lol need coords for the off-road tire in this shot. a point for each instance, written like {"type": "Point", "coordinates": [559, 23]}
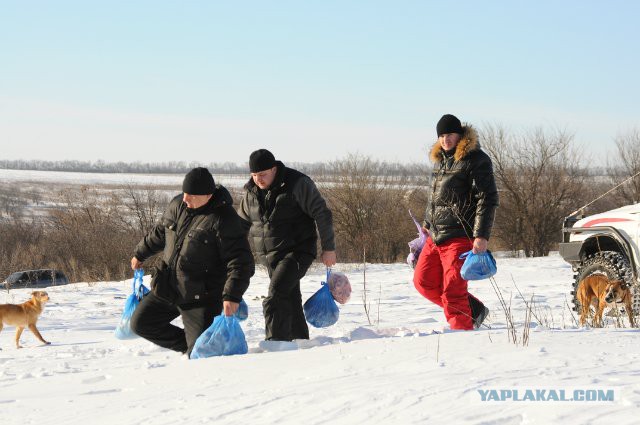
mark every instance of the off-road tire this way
{"type": "Point", "coordinates": [614, 266]}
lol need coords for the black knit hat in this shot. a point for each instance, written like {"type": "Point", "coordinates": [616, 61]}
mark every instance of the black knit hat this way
{"type": "Point", "coordinates": [449, 124]}
{"type": "Point", "coordinates": [198, 181]}
{"type": "Point", "coordinates": [261, 160]}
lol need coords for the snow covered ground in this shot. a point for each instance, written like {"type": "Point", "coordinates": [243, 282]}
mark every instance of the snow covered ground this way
{"type": "Point", "coordinates": [34, 194]}
{"type": "Point", "coordinates": [402, 369]}
{"type": "Point", "coordinates": [43, 177]}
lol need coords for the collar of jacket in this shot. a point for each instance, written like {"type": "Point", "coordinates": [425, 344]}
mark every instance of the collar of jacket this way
{"type": "Point", "coordinates": [277, 182]}
{"type": "Point", "coordinates": [467, 144]}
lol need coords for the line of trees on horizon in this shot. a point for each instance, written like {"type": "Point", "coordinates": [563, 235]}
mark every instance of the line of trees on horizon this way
{"type": "Point", "coordinates": [182, 167]}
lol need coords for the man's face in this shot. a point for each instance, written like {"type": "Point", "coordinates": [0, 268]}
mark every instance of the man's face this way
{"type": "Point", "coordinates": [264, 179]}
{"type": "Point", "coordinates": [195, 201]}
{"type": "Point", "coordinates": [449, 141]}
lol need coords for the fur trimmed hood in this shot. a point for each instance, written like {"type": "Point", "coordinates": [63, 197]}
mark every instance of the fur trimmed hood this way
{"type": "Point", "coordinates": [467, 144]}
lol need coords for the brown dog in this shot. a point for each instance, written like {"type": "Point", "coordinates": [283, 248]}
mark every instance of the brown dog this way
{"type": "Point", "coordinates": [24, 315]}
{"type": "Point", "coordinates": [599, 291]}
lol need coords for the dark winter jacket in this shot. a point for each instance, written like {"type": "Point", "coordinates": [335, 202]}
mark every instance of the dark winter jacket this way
{"type": "Point", "coordinates": [463, 191]}
{"type": "Point", "coordinates": [284, 217]}
{"type": "Point", "coordinates": [214, 260]}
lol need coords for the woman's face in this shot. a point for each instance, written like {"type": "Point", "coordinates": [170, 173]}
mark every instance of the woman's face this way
{"type": "Point", "coordinates": [449, 141]}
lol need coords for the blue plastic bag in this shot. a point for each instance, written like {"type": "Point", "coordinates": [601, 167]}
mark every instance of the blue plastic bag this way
{"type": "Point", "coordinates": [478, 266]}
{"type": "Point", "coordinates": [321, 309]}
{"type": "Point", "coordinates": [123, 330]}
{"type": "Point", "coordinates": [223, 338]}
{"type": "Point", "coordinates": [243, 311]}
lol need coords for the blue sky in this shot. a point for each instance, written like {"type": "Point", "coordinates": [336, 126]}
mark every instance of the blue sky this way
{"type": "Point", "coordinates": [211, 81]}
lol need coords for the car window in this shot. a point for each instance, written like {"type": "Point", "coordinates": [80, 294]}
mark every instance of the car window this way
{"type": "Point", "coordinates": [45, 275]}
{"type": "Point", "coordinates": [14, 277]}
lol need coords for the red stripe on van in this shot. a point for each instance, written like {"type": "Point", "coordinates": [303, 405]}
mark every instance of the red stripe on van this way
{"type": "Point", "coordinates": [604, 220]}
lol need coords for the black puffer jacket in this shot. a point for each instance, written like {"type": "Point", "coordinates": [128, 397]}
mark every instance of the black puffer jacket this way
{"type": "Point", "coordinates": [284, 217]}
{"type": "Point", "coordinates": [214, 260]}
{"type": "Point", "coordinates": [464, 195]}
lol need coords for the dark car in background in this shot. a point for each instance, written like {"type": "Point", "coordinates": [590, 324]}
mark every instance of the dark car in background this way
{"type": "Point", "coordinates": [34, 279]}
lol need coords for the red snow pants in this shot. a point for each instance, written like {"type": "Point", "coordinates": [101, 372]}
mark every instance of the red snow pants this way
{"type": "Point", "coordinates": [437, 278]}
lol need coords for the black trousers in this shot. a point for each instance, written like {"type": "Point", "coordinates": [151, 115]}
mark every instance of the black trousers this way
{"type": "Point", "coordinates": [152, 321]}
{"type": "Point", "coordinates": [283, 315]}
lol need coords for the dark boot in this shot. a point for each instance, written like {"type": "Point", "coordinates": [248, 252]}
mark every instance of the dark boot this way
{"type": "Point", "coordinates": [478, 311]}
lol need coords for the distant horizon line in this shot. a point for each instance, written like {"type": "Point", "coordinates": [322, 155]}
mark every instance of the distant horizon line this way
{"type": "Point", "coordinates": [165, 167]}
{"type": "Point", "coordinates": [181, 167]}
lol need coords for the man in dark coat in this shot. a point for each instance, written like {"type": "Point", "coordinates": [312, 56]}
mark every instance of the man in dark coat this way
{"type": "Point", "coordinates": [284, 207]}
{"type": "Point", "coordinates": [459, 218]}
{"type": "Point", "coordinates": [206, 264]}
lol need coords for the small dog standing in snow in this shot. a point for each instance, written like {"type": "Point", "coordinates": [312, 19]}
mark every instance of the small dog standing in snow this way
{"type": "Point", "coordinates": [24, 315]}
{"type": "Point", "coordinates": [599, 291]}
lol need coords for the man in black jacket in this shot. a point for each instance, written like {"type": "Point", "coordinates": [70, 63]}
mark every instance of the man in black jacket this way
{"type": "Point", "coordinates": [459, 218]}
{"type": "Point", "coordinates": [206, 264]}
{"type": "Point", "coordinates": [284, 207]}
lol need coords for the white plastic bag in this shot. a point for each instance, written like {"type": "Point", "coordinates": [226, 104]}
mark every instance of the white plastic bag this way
{"type": "Point", "coordinates": [340, 287]}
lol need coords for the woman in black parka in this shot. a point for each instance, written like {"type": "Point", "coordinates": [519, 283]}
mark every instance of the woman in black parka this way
{"type": "Point", "coordinates": [458, 218]}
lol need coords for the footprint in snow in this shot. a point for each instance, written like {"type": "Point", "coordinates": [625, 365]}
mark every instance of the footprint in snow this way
{"type": "Point", "coordinates": [103, 392]}
{"type": "Point", "coordinates": [95, 379]}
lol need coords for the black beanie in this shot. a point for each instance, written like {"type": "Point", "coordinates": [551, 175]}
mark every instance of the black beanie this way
{"type": "Point", "coordinates": [449, 124]}
{"type": "Point", "coordinates": [261, 160]}
{"type": "Point", "coordinates": [198, 181]}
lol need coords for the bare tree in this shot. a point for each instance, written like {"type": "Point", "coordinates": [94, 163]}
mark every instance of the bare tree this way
{"type": "Point", "coordinates": [143, 206]}
{"type": "Point", "coordinates": [17, 236]}
{"type": "Point", "coordinates": [90, 236]}
{"type": "Point", "coordinates": [369, 204]}
{"type": "Point", "coordinates": [87, 237]}
{"type": "Point", "coordinates": [540, 180]}
{"type": "Point", "coordinates": [627, 165]}
{"type": "Point", "coordinates": [12, 201]}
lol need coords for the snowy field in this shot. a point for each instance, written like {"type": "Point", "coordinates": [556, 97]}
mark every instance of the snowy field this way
{"type": "Point", "coordinates": [36, 193]}
{"type": "Point", "coordinates": [404, 368]}
{"type": "Point", "coordinates": [63, 177]}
